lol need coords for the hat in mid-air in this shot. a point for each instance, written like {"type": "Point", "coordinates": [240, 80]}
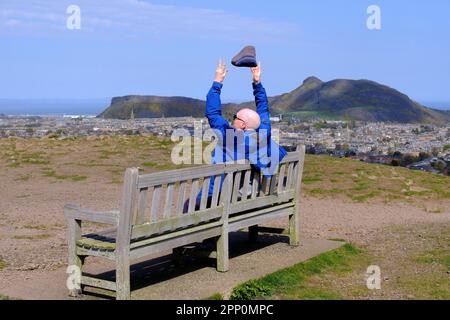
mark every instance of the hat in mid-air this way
{"type": "Point", "coordinates": [245, 58]}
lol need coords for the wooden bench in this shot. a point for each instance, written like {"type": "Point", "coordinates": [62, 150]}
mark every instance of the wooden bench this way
{"type": "Point", "coordinates": [151, 218]}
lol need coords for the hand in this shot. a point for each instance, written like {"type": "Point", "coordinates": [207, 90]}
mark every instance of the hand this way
{"type": "Point", "coordinates": [256, 72]}
{"type": "Point", "coordinates": [221, 72]}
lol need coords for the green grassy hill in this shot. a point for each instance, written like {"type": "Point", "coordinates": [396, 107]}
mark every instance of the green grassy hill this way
{"type": "Point", "coordinates": [338, 99]}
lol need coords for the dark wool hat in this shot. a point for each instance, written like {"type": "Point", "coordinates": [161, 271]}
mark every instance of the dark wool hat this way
{"type": "Point", "coordinates": [245, 58]}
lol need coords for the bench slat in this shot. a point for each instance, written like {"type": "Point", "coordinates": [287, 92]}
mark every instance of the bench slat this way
{"type": "Point", "coordinates": [236, 184]}
{"type": "Point", "coordinates": [246, 186]}
{"type": "Point", "coordinates": [290, 176]}
{"type": "Point", "coordinates": [261, 202]}
{"type": "Point", "coordinates": [181, 197]}
{"type": "Point", "coordinates": [193, 195]}
{"type": "Point", "coordinates": [159, 178]}
{"type": "Point", "coordinates": [273, 183]}
{"type": "Point", "coordinates": [255, 218]}
{"type": "Point", "coordinates": [140, 215]}
{"type": "Point", "coordinates": [264, 183]}
{"type": "Point", "coordinates": [156, 200]}
{"type": "Point", "coordinates": [75, 212]}
{"type": "Point", "coordinates": [176, 223]}
{"type": "Point", "coordinates": [98, 283]}
{"type": "Point", "coordinates": [169, 200]}
{"type": "Point", "coordinates": [291, 157]}
{"type": "Point", "coordinates": [215, 196]}
{"type": "Point", "coordinates": [281, 178]}
{"type": "Point", "coordinates": [205, 189]}
{"type": "Point", "coordinates": [255, 185]}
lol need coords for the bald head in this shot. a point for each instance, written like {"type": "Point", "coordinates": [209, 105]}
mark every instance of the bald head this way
{"type": "Point", "coordinates": [249, 118]}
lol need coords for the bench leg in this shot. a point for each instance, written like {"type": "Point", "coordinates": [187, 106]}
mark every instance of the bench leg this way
{"type": "Point", "coordinates": [253, 233]}
{"type": "Point", "coordinates": [294, 230]}
{"type": "Point", "coordinates": [74, 233]}
{"type": "Point", "coordinates": [123, 278]}
{"type": "Point", "coordinates": [222, 252]}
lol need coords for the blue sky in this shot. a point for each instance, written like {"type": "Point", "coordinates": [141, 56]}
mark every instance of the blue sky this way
{"type": "Point", "coordinates": [172, 47]}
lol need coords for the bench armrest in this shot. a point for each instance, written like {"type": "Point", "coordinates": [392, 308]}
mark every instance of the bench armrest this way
{"type": "Point", "coordinates": [77, 213]}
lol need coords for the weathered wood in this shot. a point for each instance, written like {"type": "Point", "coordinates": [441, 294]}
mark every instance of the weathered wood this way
{"type": "Point", "coordinates": [73, 235]}
{"type": "Point", "coordinates": [216, 189]}
{"type": "Point", "coordinates": [181, 197]}
{"type": "Point", "coordinates": [169, 200]}
{"type": "Point", "coordinates": [294, 219]}
{"type": "Point", "coordinates": [72, 211]}
{"type": "Point", "coordinates": [173, 176]}
{"type": "Point", "coordinates": [246, 187]}
{"type": "Point", "coordinates": [167, 242]}
{"type": "Point", "coordinates": [281, 177]}
{"type": "Point", "coordinates": [258, 212]}
{"type": "Point", "coordinates": [222, 241]}
{"type": "Point", "coordinates": [205, 190]}
{"type": "Point", "coordinates": [98, 283]}
{"type": "Point", "coordinates": [255, 184]}
{"type": "Point", "coordinates": [96, 253]}
{"type": "Point", "coordinates": [140, 216]}
{"type": "Point", "coordinates": [175, 223]}
{"type": "Point", "coordinates": [290, 176]}
{"type": "Point", "coordinates": [265, 180]}
{"type": "Point", "coordinates": [156, 201]}
{"type": "Point", "coordinates": [261, 202]}
{"type": "Point", "coordinates": [273, 184]}
{"type": "Point", "coordinates": [291, 157]}
{"type": "Point", "coordinates": [193, 195]}
{"type": "Point", "coordinates": [250, 220]}
{"type": "Point", "coordinates": [124, 234]}
{"type": "Point", "coordinates": [237, 182]}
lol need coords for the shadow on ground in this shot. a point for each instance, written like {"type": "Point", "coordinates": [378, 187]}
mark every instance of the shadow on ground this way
{"type": "Point", "coordinates": [161, 269]}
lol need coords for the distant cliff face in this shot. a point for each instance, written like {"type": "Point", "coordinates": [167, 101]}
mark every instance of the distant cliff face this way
{"type": "Point", "coordinates": [347, 99]}
{"type": "Point", "coordinates": [153, 107]}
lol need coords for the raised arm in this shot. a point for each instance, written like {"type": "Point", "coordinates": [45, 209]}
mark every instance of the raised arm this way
{"type": "Point", "coordinates": [213, 104]}
{"type": "Point", "coordinates": [262, 103]}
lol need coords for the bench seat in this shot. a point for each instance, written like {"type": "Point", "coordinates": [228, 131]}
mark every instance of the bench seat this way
{"type": "Point", "coordinates": [105, 240]}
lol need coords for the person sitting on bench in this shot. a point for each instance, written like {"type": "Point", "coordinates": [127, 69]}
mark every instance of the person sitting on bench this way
{"type": "Point", "coordinates": [250, 131]}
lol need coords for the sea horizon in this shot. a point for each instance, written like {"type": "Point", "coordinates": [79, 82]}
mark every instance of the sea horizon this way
{"type": "Point", "coordinates": [93, 107]}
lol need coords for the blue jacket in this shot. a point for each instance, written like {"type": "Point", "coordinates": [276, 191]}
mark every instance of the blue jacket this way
{"type": "Point", "coordinates": [256, 146]}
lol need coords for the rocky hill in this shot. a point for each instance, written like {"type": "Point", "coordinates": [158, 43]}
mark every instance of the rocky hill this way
{"type": "Point", "coordinates": [363, 100]}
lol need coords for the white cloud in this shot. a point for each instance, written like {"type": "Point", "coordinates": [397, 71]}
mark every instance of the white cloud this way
{"type": "Point", "coordinates": [138, 18]}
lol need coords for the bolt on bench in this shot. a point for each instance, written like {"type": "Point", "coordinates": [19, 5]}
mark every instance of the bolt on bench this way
{"type": "Point", "coordinates": [153, 219]}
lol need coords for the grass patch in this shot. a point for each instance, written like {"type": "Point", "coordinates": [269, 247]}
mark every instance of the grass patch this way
{"type": "Point", "coordinates": [150, 164]}
{"type": "Point", "coordinates": [435, 256]}
{"type": "Point", "coordinates": [23, 178]}
{"type": "Point", "coordinates": [311, 180]}
{"type": "Point", "coordinates": [364, 197]}
{"type": "Point", "coordinates": [46, 172]}
{"type": "Point", "coordinates": [2, 265]}
{"type": "Point", "coordinates": [35, 227]}
{"type": "Point", "coordinates": [78, 178]}
{"type": "Point", "coordinates": [33, 237]}
{"type": "Point", "coordinates": [215, 296]}
{"type": "Point", "coordinates": [250, 290]}
{"type": "Point", "coordinates": [326, 176]}
{"type": "Point", "coordinates": [293, 282]}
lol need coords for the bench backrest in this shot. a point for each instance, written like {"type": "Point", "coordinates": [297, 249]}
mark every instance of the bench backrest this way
{"type": "Point", "coordinates": [164, 202]}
